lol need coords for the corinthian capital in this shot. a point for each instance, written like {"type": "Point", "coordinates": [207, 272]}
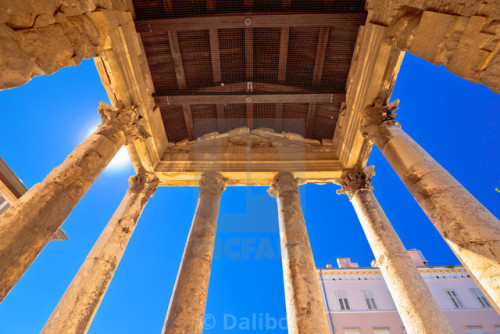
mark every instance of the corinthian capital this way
{"type": "Point", "coordinates": [125, 119]}
{"type": "Point", "coordinates": [212, 183]}
{"type": "Point", "coordinates": [144, 182]}
{"type": "Point", "coordinates": [377, 115]}
{"type": "Point", "coordinates": [356, 179]}
{"type": "Point", "coordinates": [283, 183]}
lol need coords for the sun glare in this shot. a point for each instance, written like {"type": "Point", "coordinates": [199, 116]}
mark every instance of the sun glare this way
{"type": "Point", "coordinates": [121, 159]}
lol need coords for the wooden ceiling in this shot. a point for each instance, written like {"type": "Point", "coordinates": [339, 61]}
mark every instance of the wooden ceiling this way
{"type": "Point", "coordinates": [221, 64]}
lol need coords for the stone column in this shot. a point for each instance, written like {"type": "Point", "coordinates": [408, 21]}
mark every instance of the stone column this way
{"type": "Point", "coordinates": [416, 305]}
{"type": "Point", "coordinates": [30, 223]}
{"type": "Point", "coordinates": [472, 232]}
{"type": "Point", "coordinates": [304, 304]}
{"type": "Point", "coordinates": [79, 304]}
{"type": "Point", "coordinates": [186, 311]}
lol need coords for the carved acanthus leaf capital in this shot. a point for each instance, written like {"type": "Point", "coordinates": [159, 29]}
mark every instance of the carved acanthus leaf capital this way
{"type": "Point", "coordinates": [126, 119]}
{"type": "Point", "coordinates": [377, 115]}
{"type": "Point", "coordinates": [356, 179]}
{"type": "Point", "coordinates": [283, 183]}
{"type": "Point", "coordinates": [212, 183]}
{"type": "Point", "coordinates": [144, 182]}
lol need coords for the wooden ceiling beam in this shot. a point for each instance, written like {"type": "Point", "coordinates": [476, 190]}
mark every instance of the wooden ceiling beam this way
{"type": "Point", "coordinates": [319, 62]}
{"type": "Point", "coordinates": [278, 120]}
{"type": "Point", "coordinates": [168, 6]}
{"type": "Point", "coordinates": [311, 115]}
{"type": "Point", "coordinates": [324, 34]}
{"type": "Point", "coordinates": [283, 58]}
{"type": "Point", "coordinates": [249, 53]}
{"type": "Point", "coordinates": [238, 87]}
{"type": "Point", "coordinates": [221, 118]}
{"type": "Point", "coordinates": [249, 114]}
{"type": "Point", "coordinates": [181, 80]}
{"type": "Point", "coordinates": [217, 74]}
{"type": "Point", "coordinates": [249, 73]}
{"type": "Point", "coordinates": [252, 98]}
{"type": "Point", "coordinates": [248, 4]}
{"type": "Point", "coordinates": [215, 55]}
{"type": "Point", "coordinates": [188, 118]}
{"type": "Point", "coordinates": [177, 58]}
{"type": "Point", "coordinates": [211, 5]}
{"type": "Point", "coordinates": [250, 21]}
{"type": "Point", "coordinates": [329, 3]}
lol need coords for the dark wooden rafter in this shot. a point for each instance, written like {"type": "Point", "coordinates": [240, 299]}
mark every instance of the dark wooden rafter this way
{"type": "Point", "coordinates": [181, 80]}
{"type": "Point", "coordinates": [177, 58]}
{"type": "Point", "coordinates": [235, 21]}
{"type": "Point", "coordinates": [215, 55]}
{"type": "Point", "coordinates": [211, 5]}
{"type": "Point", "coordinates": [221, 117]}
{"type": "Point", "coordinates": [248, 4]}
{"type": "Point", "coordinates": [243, 86]}
{"type": "Point", "coordinates": [329, 3]}
{"type": "Point", "coordinates": [189, 97]}
{"type": "Point", "coordinates": [283, 59]}
{"type": "Point", "coordinates": [188, 118]}
{"type": "Point", "coordinates": [324, 33]}
{"type": "Point", "coordinates": [278, 121]}
{"type": "Point", "coordinates": [168, 6]}
{"type": "Point", "coordinates": [319, 62]}
{"type": "Point", "coordinates": [217, 74]}
{"type": "Point", "coordinates": [249, 72]}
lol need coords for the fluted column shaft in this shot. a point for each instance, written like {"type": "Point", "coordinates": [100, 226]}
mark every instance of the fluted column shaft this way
{"type": "Point", "coordinates": [79, 304]}
{"type": "Point", "coordinates": [304, 303]}
{"type": "Point", "coordinates": [30, 223]}
{"type": "Point", "coordinates": [186, 311]}
{"type": "Point", "coordinates": [416, 305]}
{"type": "Point", "coordinates": [472, 232]}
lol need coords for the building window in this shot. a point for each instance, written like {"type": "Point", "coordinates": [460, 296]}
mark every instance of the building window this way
{"type": "Point", "coordinates": [4, 203]}
{"type": "Point", "coordinates": [369, 299]}
{"type": "Point", "coordinates": [474, 330]}
{"type": "Point", "coordinates": [481, 298]}
{"type": "Point", "coordinates": [383, 330]}
{"type": "Point", "coordinates": [497, 329]}
{"type": "Point", "coordinates": [452, 295]}
{"type": "Point", "coordinates": [342, 299]}
{"type": "Point", "coordinates": [352, 330]}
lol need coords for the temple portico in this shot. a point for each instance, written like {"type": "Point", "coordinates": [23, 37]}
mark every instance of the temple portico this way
{"type": "Point", "coordinates": [205, 99]}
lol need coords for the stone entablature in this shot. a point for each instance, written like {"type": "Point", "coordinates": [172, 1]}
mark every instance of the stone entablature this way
{"type": "Point", "coordinates": [247, 157]}
{"type": "Point", "coordinates": [260, 137]}
{"type": "Point", "coordinates": [364, 274]}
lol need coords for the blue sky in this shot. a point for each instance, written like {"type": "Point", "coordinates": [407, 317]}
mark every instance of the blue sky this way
{"type": "Point", "coordinates": [42, 122]}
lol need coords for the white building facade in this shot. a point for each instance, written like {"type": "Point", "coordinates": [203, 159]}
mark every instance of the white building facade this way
{"type": "Point", "coordinates": [358, 301]}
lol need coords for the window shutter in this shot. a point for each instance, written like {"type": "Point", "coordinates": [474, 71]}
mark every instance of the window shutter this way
{"type": "Point", "coordinates": [4, 203]}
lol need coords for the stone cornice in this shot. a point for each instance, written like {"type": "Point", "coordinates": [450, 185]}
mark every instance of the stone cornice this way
{"type": "Point", "coordinates": [360, 274]}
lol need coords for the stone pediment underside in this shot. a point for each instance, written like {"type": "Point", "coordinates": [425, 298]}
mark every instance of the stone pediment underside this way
{"type": "Point", "coordinates": [249, 157]}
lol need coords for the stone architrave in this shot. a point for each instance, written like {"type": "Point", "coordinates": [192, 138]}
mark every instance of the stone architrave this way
{"type": "Point", "coordinates": [417, 307]}
{"type": "Point", "coordinates": [472, 232]}
{"type": "Point", "coordinates": [186, 311]}
{"type": "Point", "coordinates": [80, 302]}
{"type": "Point", "coordinates": [304, 303]}
{"type": "Point", "coordinates": [27, 226]}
